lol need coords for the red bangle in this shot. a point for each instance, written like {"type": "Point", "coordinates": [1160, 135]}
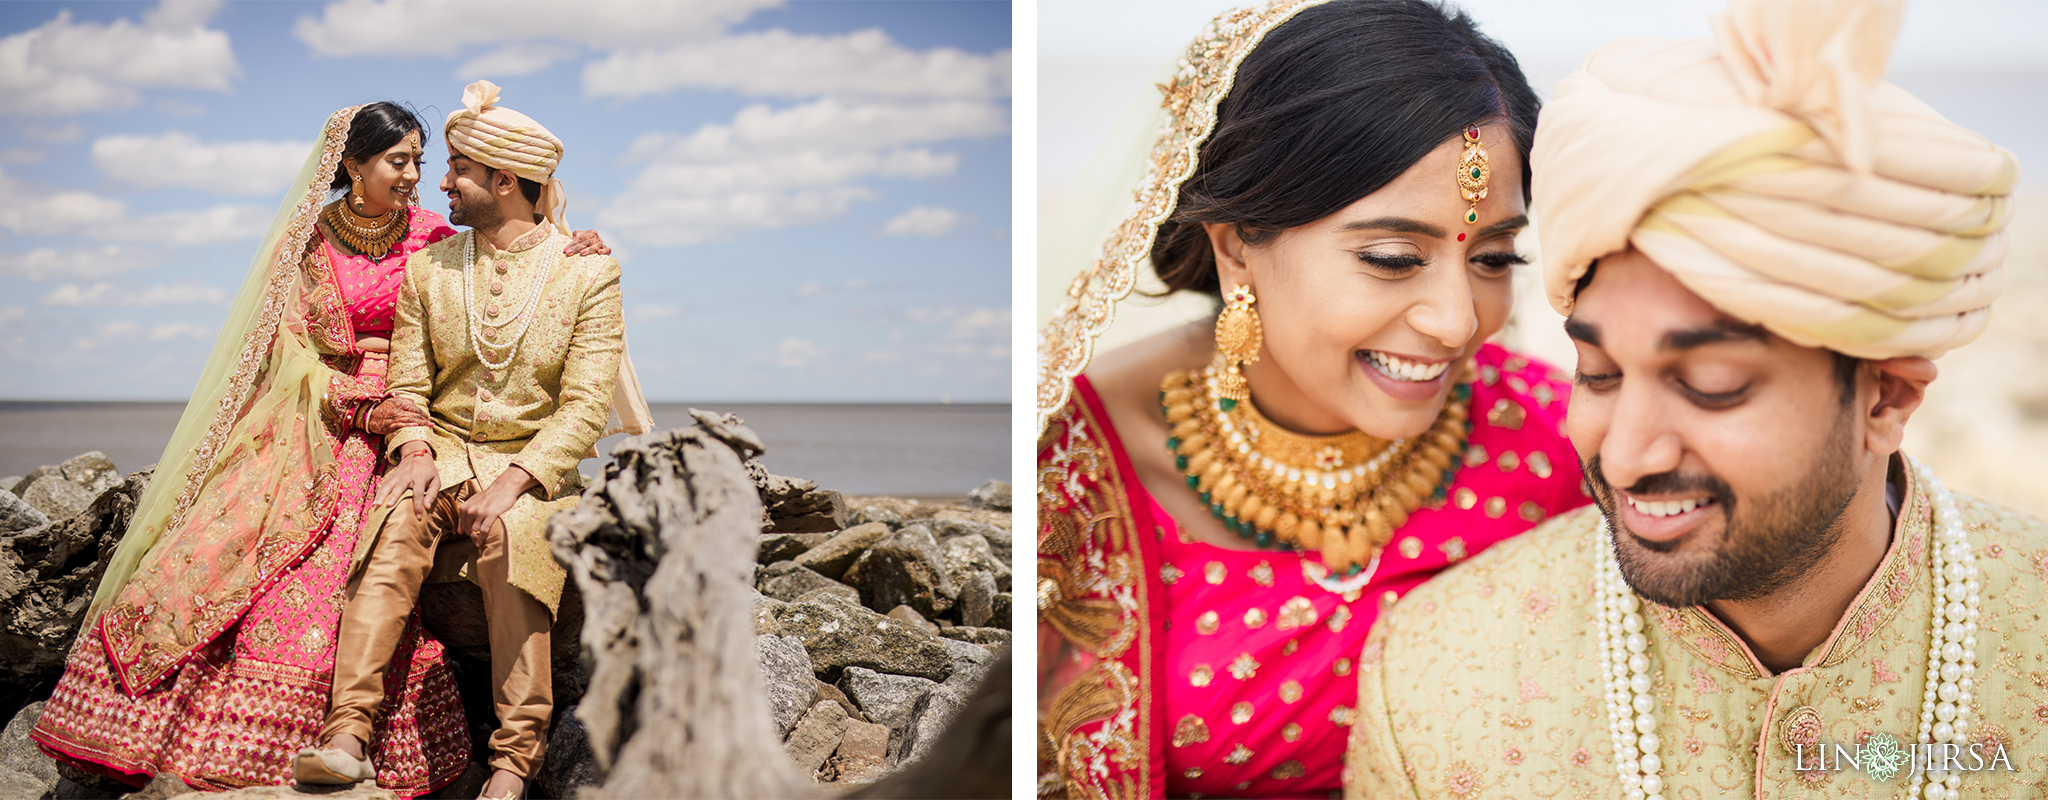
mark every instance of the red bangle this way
{"type": "Point", "coordinates": [428, 453]}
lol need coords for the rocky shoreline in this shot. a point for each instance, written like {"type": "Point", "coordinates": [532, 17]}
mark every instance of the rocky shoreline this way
{"type": "Point", "coordinates": [875, 623]}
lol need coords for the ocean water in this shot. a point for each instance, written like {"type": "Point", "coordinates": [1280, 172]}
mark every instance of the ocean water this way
{"type": "Point", "coordinates": [931, 451]}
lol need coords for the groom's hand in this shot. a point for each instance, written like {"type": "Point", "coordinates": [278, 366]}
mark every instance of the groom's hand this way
{"type": "Point", "coordinates": [415, 471]}
{"type": "Point", "coordinates": [481, 510]}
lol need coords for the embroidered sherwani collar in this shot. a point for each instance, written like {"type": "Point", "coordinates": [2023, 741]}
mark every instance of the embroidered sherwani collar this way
{"type": "Point", "coordinates": [1902, 572]}
{"type": "Point", "coordinates": [526, 241]}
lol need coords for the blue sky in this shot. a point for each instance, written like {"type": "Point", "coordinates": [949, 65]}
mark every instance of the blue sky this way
{"type": "Point", "coordinates": [811, 200]}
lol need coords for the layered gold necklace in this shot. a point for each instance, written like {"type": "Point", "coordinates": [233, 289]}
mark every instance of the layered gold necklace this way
{"type": "Point", "coordinates": [1342, 495]}
{"type": "Point", "coordinates": [370, 236]}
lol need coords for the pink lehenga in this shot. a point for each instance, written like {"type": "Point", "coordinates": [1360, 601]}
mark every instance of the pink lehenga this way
{"type": "Point", "coordinates": [210, 647]}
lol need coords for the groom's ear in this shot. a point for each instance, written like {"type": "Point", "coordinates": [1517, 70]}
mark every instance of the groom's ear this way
{"type": "Point", "coordinates": [504, 183]}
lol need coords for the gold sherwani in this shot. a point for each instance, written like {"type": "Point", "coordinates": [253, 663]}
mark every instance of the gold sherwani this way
{"type": "Point", "coordinates": [543, 412]}
{"type": "Point", "coordinates": [1484, 682]}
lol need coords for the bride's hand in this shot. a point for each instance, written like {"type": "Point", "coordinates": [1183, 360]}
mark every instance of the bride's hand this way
{"type": "Point", "coordinates": [586, 243]}
{"type": "Point", "coordinates": [393, 414]}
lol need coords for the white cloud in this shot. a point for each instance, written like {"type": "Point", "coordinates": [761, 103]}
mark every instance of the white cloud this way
{"type": "Point", "coordinates": [778, 63]}
{"type": "Point", "coordinates": [655, 311]}
{"type": "Point", "coordinates": [444, 27]}
{"type": "Point", "coordinates": [975, 332]}
{"type": "Point", "coordinates": [104, 294]}
{"type": "Point", "coordinates": [78, 263]}
{"type": "Point", "coordinates": [25, 210]}
{"type": "Point", "coordinates": [179, 159]}
{"type": "Point", "coordinates": [924, 221]}
{"type": "Point", "coordinates": [814, 288]}
{"type": "Point", "coordinates": [124, 332]}
{"type": "Point", "coordinates": [793, 353]}
{"type": "Point", "coordinates": [829, 123]}
{"type": "Point", "coordinates": [64, 67]}
{"type": "Point", "coordinates": [777, 168]}
{"type": "Point", "coordinates": [513, 60]}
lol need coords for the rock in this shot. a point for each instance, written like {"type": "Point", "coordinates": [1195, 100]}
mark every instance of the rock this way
{"type": "Point", "coordinates": [827, 691]}
{"type": "Point", "coordinates": [21, 764]}
{"type": "Point", "coordinates": [832, 557]}
{"type": "Point", "coordinates": [568, 765]}
{"type": "Point", "coordinates": [20, 484]}
{"type": "Point", "coordinates": [834, 590]}
{"type": "Point", "coordinates": [17, 515]}
{"type": "Point", "coordinates": [979, 735]}
{"type": "Point", "coordinates": [787, 668]}
{"type": "Point", "coordinates": [887, 699]}
{"type": "Point", "coordinates": [47, 578]}
{"type": "Point", "coordinates": [166, 785]}
{"type": "Point", "coordinates": [893, 511]}
{"type": "Point", "coordinates": [969, 555]}
{"type": "Point", "coordinates": [839, 633]}
{"type": "Point", "coordinates": [361, 791]}
{"type": "Point", "coordinates": [998, 537]}
{"type": "Point", "coordinates": [991, 638]}
{"type": "Point", "coordinates": [1000, 612]}
{"type": "Point", "coordinates": [977, 600]}
{"type": "Point", "coordinates": [994, 495]}
{"type": "Point", "coordinates": [970, 666]}
{"type": "Point", "coordinates": [76, 784]}
{"type": "Point", "coordinates": [796, 505]}
{"type": "Point", "coordinates": [816, 736]}
{"type": "Point", "coordinates": [905, 568]}
{"type": "Point", "coordinates": [15, 784]}
{"type": "Point", "coordinates": [862, 756]}
{"type": "Point", "coordinates": [909, 616]}
{"type": "Point", "coordinates": [788, 580]}
{"type": "Point", "coordinates": [928, 722]}
{"type": "Point", "coordinates": [93, 471]}
{"type": "Point", "coordinates": [764, 615]}
{"type": "Point", "coordinates": [882, 514]}
{"type": "Point", "coordinates": [56, 497]}
{"type": "Point", "coordinates": [662, 547]}
{"type": "Point", "coordinates": [785, 546]}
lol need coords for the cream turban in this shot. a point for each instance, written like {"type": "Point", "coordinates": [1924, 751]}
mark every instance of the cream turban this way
{"type": "Point", "coordinates": [500, 138]}
{"type": "Point", "coordinates": [1773, 173]}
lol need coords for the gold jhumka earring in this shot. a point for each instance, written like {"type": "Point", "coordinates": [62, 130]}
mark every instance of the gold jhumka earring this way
{"type": "Point", "coordinates": [1237, 342]}
{"type": "Point", "coordinates": [355, 192]}
{"type": "Point", "coordinates": [1472, 174]}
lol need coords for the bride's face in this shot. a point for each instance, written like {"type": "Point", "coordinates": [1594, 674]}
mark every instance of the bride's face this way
{"type": "Point", "coordinates": [389, 177]}
{"type": "Point", "coordinates": [1369, 311]}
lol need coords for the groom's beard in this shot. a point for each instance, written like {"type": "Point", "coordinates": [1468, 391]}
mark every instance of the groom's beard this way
{"type": "Point", "coordinates": [477, 209]}
{"type": "Point", "coordinates": [1765, 542]}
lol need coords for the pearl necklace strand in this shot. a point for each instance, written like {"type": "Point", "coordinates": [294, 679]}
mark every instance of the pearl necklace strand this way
{"type": "Point", "coordinates": [525, 315]}
{"type": "Point", "coordinates": [1952, 657]}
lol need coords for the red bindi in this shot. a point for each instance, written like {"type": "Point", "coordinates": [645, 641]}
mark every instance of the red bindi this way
{"type": "Point", "coordinates": [1461, 237]}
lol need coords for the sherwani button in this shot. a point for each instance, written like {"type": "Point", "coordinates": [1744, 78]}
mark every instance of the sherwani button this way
{"type": "Point", "coordinates": [497, 287]}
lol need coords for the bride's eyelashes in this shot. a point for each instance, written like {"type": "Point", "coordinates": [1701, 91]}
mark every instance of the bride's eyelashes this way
{"type": "Point", "coordinates": [1393, 264]}
{"type": "Point", "coordinates": [1494, 263]}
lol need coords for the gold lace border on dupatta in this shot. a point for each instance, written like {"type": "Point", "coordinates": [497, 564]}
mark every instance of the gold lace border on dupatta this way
{"type": "Point", "coordinates": [1206, 73]}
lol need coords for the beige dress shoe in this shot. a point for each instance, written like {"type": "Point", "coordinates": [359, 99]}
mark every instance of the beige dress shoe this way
{"type": "Point", "coordinates": [328, 766]}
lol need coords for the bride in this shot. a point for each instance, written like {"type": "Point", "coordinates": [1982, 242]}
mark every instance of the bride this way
{"type": "Point", "coordinates": [209, 647]}
{"type": "Point", "coordinates": [1226, 507]}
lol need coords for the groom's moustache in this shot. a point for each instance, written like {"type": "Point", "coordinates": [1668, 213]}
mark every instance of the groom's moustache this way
{"type": "Point", "coordinates": [1672, 482]}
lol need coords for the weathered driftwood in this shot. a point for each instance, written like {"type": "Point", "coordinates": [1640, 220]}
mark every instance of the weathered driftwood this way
{"type": "Point", "coordinates": [663, 548]}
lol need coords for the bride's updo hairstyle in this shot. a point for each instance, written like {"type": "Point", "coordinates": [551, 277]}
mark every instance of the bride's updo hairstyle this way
{"type": "Point", "coordinates": [377, 127]}
{"type": "Point", "coordinates": [1332, 105]}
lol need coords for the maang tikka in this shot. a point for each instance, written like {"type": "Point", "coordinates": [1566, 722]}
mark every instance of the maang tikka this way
{"type": "Point", "coordinates": [1472, 174]}
{"type": "Point", "coordinates": [1237, 342]}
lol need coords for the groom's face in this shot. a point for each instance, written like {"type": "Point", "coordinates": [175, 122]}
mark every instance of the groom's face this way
{"type": "Point", "coordinates": [470, 199]}
{"type": "Point", "coordinates": [1722, 456]}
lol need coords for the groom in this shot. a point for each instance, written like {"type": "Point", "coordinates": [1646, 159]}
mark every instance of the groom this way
{"type": "Point", "coordinates": [514, 349]}
{"type": "Point", "coordinates": [1761, 247]}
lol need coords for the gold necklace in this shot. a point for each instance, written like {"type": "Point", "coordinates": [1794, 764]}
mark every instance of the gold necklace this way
{"type": "Point", "coordinates": [370, 236]}
{"type": "Point", "coordinates": [1342, 495]}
